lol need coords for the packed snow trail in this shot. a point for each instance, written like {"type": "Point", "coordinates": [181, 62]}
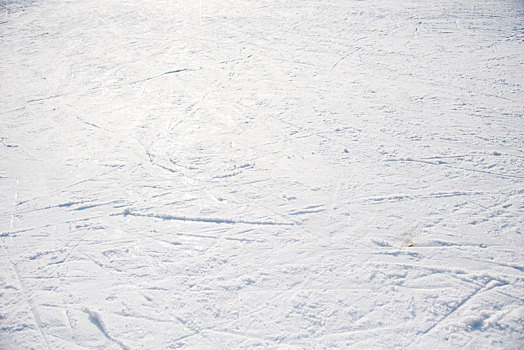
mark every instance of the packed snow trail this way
{"type": "Point", "coordinates": [278, 174]}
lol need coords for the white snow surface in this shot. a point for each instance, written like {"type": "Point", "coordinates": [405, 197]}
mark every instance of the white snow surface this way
{"type": "Point", "coordinates": [284, 174]}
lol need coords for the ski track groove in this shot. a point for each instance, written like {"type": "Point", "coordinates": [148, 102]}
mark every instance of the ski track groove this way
{"type": "Point", "coordinates": [440, 321]}
{"type": "Point", "coordinates": [138, 292]}
{"type": "Point", "coordinates": [28, 298]}
{"type": "Point", "coordinates": [161, 75]}
{"type": "Point", "coordinates": [456, 167]}
{"type": "Point", "coordinates": [28, 294]}
{"type": "Point", "coordinates": [204, 219]}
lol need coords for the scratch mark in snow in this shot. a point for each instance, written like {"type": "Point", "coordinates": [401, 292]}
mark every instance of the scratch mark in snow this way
{"type": "Point", "coordinates": [201, 219]}
{"type": "Point", "coordinates": [454, 167]}
{"type": "Point", "coordinates": [176, 71]}
{"type": "Point", "coordinates": [344, 57]}
{"type": "Point", "coordinates": [46, 98]}
{"type": "Point", "coordinates": [301, 212]}
{"type": "Point", "coordinates": [90, 124]}
{"type": "Point", "coordinates": [477, 291]}
{"type": "Point", "coordinates": [161, 75]}
{"type": "Point", "coordinates": [12, 110]}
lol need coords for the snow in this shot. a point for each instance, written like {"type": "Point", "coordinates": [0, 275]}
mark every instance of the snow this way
{"type": "Point", "coordinates": [276, 174]}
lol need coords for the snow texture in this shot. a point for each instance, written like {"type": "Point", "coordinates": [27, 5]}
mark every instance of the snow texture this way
{"type": "Point", "coordinates": [287, 174]}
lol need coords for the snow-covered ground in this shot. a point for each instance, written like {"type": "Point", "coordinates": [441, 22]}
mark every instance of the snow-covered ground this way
{"type": "Point", "coordinates": [225, 174]}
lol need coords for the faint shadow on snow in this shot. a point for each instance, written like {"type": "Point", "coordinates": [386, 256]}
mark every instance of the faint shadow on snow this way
{"type": "Point", "coordinates": [97, 321]}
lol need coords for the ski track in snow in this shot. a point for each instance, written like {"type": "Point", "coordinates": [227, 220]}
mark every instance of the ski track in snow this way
{"type": "Point", "coordinates": [278, 174]}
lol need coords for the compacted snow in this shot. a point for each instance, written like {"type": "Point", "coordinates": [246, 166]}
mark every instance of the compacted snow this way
{"type": "Point", "coordinates": [225, 174]}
